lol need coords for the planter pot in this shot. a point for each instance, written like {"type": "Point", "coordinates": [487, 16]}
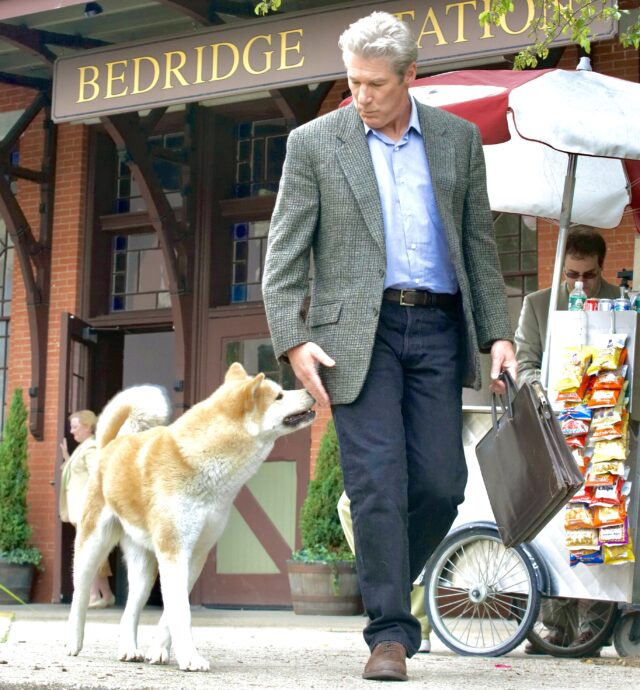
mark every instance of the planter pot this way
{"type": "Point", "coordinates": [17, 579]}
{"type": "Point", "coordinates": [321, 589]}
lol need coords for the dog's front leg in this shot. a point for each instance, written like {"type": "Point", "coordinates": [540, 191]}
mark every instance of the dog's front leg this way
{"type": "Point", "coordinates": [174, 579]}
{"type": "Point", "coordinates": [160, 650]}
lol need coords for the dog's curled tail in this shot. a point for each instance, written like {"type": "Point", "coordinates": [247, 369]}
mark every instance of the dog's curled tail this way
{"type": "Point", "coordinates": [132, 410]}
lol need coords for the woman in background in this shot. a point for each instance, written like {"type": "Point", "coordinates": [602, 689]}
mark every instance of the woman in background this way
{"type": "Point", "coordinates": [76, 470]}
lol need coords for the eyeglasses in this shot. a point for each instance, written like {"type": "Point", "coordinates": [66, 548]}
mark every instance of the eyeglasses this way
{"type": "Point", "coordinates": [575, 275]}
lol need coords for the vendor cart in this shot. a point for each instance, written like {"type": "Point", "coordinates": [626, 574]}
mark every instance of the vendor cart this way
{"type": "Point", "coordinates": [568, 149]}
{"type": "Point", "coordinates": [484, 599]}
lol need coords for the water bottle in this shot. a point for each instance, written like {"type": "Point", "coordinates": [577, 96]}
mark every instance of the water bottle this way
{"type": "Point", "coordinates": [577, 298]}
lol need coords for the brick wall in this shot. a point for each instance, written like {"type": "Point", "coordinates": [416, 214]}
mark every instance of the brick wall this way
{"type": "Point", "coordinates": [66, 252]}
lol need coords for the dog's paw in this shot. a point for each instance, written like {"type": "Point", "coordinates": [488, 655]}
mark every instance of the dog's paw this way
{"type": "Point", "coordinates": [72, 648]}
{"type": "Point", "coordinates": [130, 654]}
{"type": "Point", "coordinates": [194, 662]}
{"type": "Point", "coordinates": [158, 655]}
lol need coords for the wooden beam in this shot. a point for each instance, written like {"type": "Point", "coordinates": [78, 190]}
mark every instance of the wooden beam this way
{"type": "Point", "coordinates": [25, 174]}
{"type": "Point", "coordinates": [299, 103]}
{"type": "Point", "coordinates": [40, 84]}
{"type": "Point", "coordinates": [150, 122]}
{"type": "Point", "coordinates": [29, 39]}
{"type": "Point", "coordinates": [11, 138]}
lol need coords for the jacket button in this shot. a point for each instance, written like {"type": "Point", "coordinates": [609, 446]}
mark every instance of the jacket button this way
{"type": "Point", "coordinates": [376, 311]}
{"type": "Point", "coordinates": [381, 272]}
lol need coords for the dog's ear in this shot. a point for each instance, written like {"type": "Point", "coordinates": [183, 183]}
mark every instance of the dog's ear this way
{"type": "Point", "coordinates": [251, 391]}
{"type": "Point", "coordinates": [235, 372]}
{"type": "Point", "coordinates": [255, 384]}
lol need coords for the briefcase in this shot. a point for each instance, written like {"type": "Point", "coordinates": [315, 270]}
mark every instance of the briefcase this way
{"type": "Point", "coordinates": [526, 464]}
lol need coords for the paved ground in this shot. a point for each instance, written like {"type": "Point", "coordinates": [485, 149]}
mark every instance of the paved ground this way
{"type": "Point", "coordinates": [268, 649]}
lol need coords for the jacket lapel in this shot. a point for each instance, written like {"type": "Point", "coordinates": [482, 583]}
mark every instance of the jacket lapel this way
{"type": "Point", "coordinates": [355, 160]}
{"type": "Point", "coordinates": [441, 157]}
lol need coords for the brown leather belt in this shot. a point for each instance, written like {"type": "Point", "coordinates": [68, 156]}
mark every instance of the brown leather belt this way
{"type": "Point", "coordinates": [421, 298]}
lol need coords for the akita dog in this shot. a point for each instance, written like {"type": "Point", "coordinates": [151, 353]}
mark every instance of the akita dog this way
{"type": "Point", "coordinates": [165, 494]}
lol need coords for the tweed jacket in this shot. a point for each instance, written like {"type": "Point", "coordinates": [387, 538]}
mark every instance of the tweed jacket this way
{"type": "Point", "coordinates": [531, 333]}
{"type": "Point", "coordinates": [328, 206]}
{"type": "Point", "coordinates": [75, 477]}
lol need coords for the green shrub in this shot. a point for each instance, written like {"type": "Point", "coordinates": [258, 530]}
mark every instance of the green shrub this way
{"type": "Point", "coordinates": [320, 529]}
{"type": "Point", "coordinates": [15, 531]}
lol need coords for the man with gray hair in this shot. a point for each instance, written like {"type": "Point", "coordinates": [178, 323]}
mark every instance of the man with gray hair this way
{"type": "Point", "coordinates": [389, 196]}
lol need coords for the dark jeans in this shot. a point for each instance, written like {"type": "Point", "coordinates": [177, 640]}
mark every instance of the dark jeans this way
{"type": "Point", "coordinates": [403, 462]}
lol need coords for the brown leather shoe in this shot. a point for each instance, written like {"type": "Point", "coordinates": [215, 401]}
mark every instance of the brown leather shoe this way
{"type": "Point", "coordinates": [388, 661]}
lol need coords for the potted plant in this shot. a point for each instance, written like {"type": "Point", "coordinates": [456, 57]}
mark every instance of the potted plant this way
{"type": "Point", "coordinates": [18, 559]}
{"type": "Point", "coordinates": [322, 574]}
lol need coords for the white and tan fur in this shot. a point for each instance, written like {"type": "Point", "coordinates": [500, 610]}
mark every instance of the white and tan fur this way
{"type": "Point", "coordinates": [165, 494]}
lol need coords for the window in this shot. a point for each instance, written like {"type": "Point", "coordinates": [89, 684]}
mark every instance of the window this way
{"type": "Point", "coordinates": [257, 355]}
{"type": "Point", "coordinates": [138, 276]}
{"type": "Point", "coordinates": [6, 291]}
{"type": "Point", "coordinates": [249, 250]}
{"type": "Point", "coordinates": [260, 151]}
{"type": "Point", "coordinates": [168, 169]}
{"type": "Point", "coordinates": [518, 252]}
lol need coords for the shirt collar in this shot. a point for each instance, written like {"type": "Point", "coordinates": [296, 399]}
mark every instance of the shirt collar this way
{"type": "Point", "coordinates": [414, 120]}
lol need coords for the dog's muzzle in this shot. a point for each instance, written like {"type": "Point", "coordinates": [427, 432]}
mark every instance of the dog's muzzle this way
{"type": "Point", "coordinates": [299, 418]}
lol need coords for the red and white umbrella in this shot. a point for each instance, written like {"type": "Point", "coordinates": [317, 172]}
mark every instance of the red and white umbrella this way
{"type": "Point", "coordinates": [532, 122]}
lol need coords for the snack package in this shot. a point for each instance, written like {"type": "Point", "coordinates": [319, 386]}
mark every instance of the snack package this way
{"type": "Point", "coordinates": [609, 432]}
{"type": "Point", "coordinates": [603, 397]}
{"type": "Point", "coordinates": [615, 449]}
{"type": "Point", "coordinates": [582, 539]}
{"type": "Point", "coordinates": [576, 441]}
{"type": "Point", "coordinates": [615, 555]}
{"type": "Point", "coordinates": [578, 515]}
{"type": "Point", "coordinates": [582, 460]}
{"type": "Point", "coordinates": [607, 352]}
{"type": "Point", "coordinates": [573, 375]}
{"type": "Point", "coordinates": [614, 535]}
{"type": "Point", "coordinates": [594, 480]}
{"type": "Point", "coordinates": [586, 557]}
{"type": "Point", "coordinates": [579, 412]}
{"type": "Point", "coordinates": [610, 515]}
{"type": "Point", "coordinates": [613, 466]}
{"type": "Point", "coordinates": [583, 495]}
{"type": "Point", "coordinates": [574, 427]}
{"type": "Point", "coordinates": [605, 417]}
{"type": "Point", "coordinates": [611, 379]}
{"type": "Point", "coordinates": [608, 495]}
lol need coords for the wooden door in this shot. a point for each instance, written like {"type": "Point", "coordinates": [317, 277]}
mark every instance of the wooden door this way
{"type": "Point", "coordinates": [248, 565]}
{"type": "Point", "coordinates": [90, 373]}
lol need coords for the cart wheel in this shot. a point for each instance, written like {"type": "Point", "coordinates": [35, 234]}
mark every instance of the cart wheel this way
{"type": "Point", "coordinates": [626, 634]}
{"type": "Point", "coordinates": [482, 598]}
{"type": "Point", "coordinates": [563, 615]}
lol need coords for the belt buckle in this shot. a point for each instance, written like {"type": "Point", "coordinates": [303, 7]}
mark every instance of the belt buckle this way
{"type": "Point", "coordinates": [402, 302]}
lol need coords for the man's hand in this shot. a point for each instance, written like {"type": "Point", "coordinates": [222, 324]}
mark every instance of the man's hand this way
{"type": "Point", "coordinates": [502, 357]}
{"type": "Point", "coordinates": [305, 359]}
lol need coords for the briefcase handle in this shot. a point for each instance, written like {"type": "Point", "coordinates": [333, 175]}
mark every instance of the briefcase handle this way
{"type": "Point", "coordinates": [511, 389]}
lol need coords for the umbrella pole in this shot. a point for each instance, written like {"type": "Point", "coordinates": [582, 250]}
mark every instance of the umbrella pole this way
{"type": "Point", "coordinates": [565, 220]}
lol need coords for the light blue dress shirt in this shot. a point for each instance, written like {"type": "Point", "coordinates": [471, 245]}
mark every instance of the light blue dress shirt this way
{"type": "Point", "coordinates": [416, 245]}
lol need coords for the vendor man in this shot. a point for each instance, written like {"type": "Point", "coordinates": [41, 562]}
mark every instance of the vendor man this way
{"type": "Point", "coordinates": [569, 622]}
{"type": "Point", "coordinates": [584, 260]}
